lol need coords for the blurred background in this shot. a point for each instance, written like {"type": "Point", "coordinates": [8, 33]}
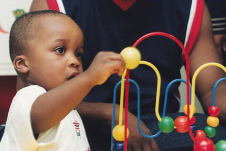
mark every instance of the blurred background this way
{"type": "Point", "coordinates": [10, 10]}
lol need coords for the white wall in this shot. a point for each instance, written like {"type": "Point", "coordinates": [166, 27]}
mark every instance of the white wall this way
{"type": "Point", "coordinates": [8, 9]}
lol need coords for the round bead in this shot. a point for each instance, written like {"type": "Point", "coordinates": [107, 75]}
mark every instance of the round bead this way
{"type": "Point", "coordinates": [200, 135]}
{"type": "Point", "coordinates": [117, 146]}
{"type": "Point", "coordinates": [204, 144]}
{"type": "Point", "coordinates": [181, 124]}
{"type": "Point", "coordinates": [191, 111]}
{"type": "Point", "coordinates": [193, 120]}
{"type": "Point", "coordinates": [119, 132]}
{"type": "Point", "coordinates": [131, 56]}
{"type": "Point", "coordinates": [212, 121]}
{"type": "Point", "coordinates": [193, 127]}
{"type": "Point", "coordinates": [213, 111]}
{"type": "Point", "coordinates": [221, 145]}
{"type": "Point", "coordinates": [166, 125]}
{"type": "Point", "coordinates": [210, 131]}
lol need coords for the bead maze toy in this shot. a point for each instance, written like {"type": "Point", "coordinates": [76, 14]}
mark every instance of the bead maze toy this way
{"type": "Point", "coordinates": [166, 124]}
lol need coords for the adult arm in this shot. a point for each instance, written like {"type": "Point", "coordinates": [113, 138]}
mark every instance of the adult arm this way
{"type": "Point", "coordinates": [217, 11]}
{"type": "Point", "coordinates": [39, 5]}
{"type": "Point", "coordinates": [204, 51]}
{"type": "Point", "coordinates": [220, 42]}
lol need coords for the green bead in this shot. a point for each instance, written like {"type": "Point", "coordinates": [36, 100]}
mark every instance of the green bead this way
{"type": "Point", "coordinates": [166, 125]}
{"type": "Point", "coordinates": [210, 131]}
{"type": "Point", "coordinates": [221, 145]}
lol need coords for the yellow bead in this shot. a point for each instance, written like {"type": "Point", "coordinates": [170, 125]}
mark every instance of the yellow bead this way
{"type": "Point", "coordinates": [212, 121]}
{"type": "Point", "coordinates": [191, 111]}
{"type": "Point", "coordinates": [119, 132]}
{"type": "Point", "coordinates": [131, 56]}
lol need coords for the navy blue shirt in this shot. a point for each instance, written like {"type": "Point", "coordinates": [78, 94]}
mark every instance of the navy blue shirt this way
{"type": "Point", "coordinates": [107, 27]}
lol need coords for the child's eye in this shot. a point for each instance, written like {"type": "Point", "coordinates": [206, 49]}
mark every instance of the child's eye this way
{"type": "Point", "coordinates": [60, 50]}
{"type": "Point", "coordinates": [78, 54]}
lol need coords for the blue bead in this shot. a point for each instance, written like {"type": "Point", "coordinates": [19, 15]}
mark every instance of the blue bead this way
{"type": "Point", "coordinates": [117, 146]}
{"type": "Point", "coordinates": [193, 128]}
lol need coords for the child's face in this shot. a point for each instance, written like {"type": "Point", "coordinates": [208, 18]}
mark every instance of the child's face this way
{"type": "Point", "coordinates": [55, 52]}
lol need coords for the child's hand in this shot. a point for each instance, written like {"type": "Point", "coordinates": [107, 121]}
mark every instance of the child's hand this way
{"type": "Point", "coordinates": [104, 65]}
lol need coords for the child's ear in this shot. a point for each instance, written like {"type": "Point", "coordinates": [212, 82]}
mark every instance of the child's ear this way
{"type": "Point", "coordinates": [20, 64]}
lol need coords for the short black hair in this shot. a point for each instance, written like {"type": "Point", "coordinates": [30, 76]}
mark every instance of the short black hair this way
{"type": "Point", "coordinates": [23, 30]}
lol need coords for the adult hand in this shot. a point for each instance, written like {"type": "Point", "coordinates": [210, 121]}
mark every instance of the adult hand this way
{"type": "Point", "coordinates": [136, 141]}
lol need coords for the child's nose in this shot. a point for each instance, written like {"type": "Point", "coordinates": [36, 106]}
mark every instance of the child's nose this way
{"type": "Point", "coordinates": [74, 62]}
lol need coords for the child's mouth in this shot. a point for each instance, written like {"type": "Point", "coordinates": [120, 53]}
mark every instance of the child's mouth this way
{"type": "Point", "coordinates": [72, 76]}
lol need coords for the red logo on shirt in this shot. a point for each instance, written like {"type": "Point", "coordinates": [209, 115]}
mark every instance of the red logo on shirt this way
{"type": "Point", "coordinates": [77, 129]}
{"type": "Point", "coordinates": [88, 149]}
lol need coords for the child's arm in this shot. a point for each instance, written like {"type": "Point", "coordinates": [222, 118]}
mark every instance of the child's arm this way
{"type": "Point", "coordinates": [51, 107]}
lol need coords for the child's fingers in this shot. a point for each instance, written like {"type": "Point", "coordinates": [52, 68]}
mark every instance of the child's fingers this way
{"type": "Point", "coordinates": [118, 67]}
{"type": "Point", "coordinates": [121, 63]}
{"type": "Point", "coordinates": [116, 61]}
{"type": "Point", "coordinates": [104, 65]}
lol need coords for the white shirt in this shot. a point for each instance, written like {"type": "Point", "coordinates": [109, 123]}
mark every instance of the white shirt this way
{"type": "Point", "coordinates": [68, 135]}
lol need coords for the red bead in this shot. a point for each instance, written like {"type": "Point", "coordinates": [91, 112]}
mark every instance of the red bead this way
{"type": "Point", "coordinates": [204, 144]}
{"type": "Point", "coordinates": [192, 120]}
{"type": "Point", "coordinates": [200, 134]}
{"type": "Point", "coordinates": [181, 124]}
{"type": "Point", "coordinates": [214, 111]}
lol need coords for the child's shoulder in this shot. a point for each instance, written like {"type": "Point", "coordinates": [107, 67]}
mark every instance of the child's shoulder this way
{"type": "Point", "coordinates": [32, 89]}
{"type": "Point", "coordinates": [27, 95]}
